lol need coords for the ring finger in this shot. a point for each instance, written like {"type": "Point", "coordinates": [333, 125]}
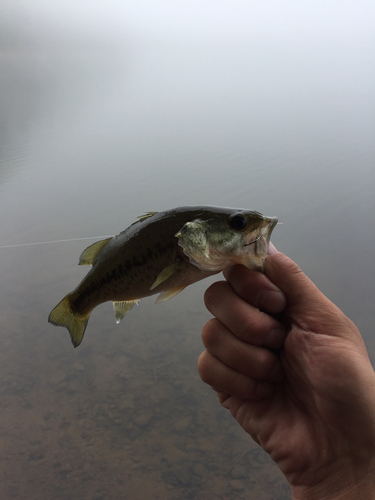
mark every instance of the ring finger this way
{"type": "Point", "coordinates": [253, 361]}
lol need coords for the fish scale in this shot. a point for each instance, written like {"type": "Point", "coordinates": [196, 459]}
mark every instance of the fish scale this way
{"type": "Point", "coordinates": [162, 253]}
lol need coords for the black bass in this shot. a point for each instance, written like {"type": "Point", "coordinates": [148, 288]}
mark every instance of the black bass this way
{"type": "Point", "coordinates": [163, 253]}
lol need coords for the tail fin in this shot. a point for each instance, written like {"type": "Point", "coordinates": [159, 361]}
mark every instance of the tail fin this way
{"type": "Point", "coordinates": [63, 315]}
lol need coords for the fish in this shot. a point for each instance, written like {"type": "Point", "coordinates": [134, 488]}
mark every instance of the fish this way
{"type": "Point", "coordinates": [162, 253]}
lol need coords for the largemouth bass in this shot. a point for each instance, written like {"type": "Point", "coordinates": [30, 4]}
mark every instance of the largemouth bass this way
{"type": "Point", "coordinates": [163, 253]}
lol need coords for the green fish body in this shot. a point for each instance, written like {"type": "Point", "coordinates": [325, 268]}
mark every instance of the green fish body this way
{"type": "Point", "coordinates": [162, 253]}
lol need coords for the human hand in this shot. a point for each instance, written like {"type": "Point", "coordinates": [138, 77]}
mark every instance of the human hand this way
{"type": "Point", "coordinates": [301, 385]}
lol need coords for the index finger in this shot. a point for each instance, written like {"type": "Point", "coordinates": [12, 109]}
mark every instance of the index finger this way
{"type": "Point", "coordinates": [256, 289]}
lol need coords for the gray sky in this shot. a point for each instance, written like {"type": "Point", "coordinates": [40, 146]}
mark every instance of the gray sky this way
{"type": "Point", "coordinates": [202, 19]}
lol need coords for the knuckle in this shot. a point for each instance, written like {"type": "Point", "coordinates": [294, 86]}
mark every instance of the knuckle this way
{"type": "Point", "coordinates": [209, 296]}
{"type": "Point", "coordinates": [264, 364]}
{"type": "Point", "coordinates": [246, 387]}
{"type": "Point", "coordinates": [255, 326]}
{"type": "Point", "coordinates": [212, 292]}
{"type": "Point", "coordinates": [204, 367]}
{"type": "Point", "coordinates": [239, 384]}
{"type": "Point", "coordinates": [209, 333]}
{"type": "Point", "coordinates": [249, 327]}
{"type": "Point", "coordinates": [254, 281]}
{"type": "Point", "coordinates": [243, 286]}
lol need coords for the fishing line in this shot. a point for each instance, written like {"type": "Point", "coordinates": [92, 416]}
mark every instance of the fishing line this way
{"type": "Point", "coordinates": [55, 241]}
{"type": "Point", "coordinates": [73, 239]}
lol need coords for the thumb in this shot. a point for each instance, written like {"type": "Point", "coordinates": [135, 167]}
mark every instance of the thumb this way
{"type": "Point", "coordinates": [288, 276]}
{"type": "Point", "coordinates": [307, 307]}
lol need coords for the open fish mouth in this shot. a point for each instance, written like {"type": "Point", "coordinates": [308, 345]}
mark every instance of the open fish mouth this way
{"type": "Point", "coordinates": [262, 233]}
{"type": "Point", "coordinates": [256, 248]}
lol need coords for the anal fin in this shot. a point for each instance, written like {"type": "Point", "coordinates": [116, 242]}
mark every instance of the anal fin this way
{"type": "Point", "coordinates": [122, 307]}
{"type": "Point", "coordinates": [168, 294]}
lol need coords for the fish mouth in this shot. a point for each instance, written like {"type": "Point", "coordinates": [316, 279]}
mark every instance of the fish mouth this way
{"type": "Point", "coordinates": [256, 249]}
{"type": "Point", "coordinates": [248, 247]}
{"type": "Point", "coordinates": [265, 231]}
{"type": "Point", "coordinates": [272, 223]}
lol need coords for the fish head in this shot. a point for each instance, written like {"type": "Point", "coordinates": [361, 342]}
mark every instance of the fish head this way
{"type": "Point", "coordinates": [218, 240]}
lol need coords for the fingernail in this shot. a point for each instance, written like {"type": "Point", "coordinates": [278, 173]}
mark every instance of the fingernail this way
{"type": "Point", "coordinates": [224, 399]}
{"type": "Point", "coordinates": [272, 301]}
{"type": "Point", "coordinates": [271, 249]}
{"type": "Point", "coordinates": [225, 404]}
{"type": "Point", "coordinates": [275, 338]}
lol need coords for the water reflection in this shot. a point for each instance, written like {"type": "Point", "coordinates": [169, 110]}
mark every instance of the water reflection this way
{"type": "Point", "coordinates": [97, 129]}
{"type": "Point", "coordinates": [125, 415]}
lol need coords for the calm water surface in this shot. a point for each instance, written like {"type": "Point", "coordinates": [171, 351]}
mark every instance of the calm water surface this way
{"type": "Point", "coordinates": [99, 126]}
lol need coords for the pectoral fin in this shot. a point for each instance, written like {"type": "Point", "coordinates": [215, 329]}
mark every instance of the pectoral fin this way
{"type": "Point", "coordinates": [165, 274]}
{"type": "Point", "coordinates": [163, 296]}
{"type": "Point", "coordinates": [88, 256]}
{"type": "Point", "coordinates": [123, 307]}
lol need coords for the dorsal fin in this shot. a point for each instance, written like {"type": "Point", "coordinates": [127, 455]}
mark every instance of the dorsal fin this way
{"type": "Point", "coordinates": [88, 256]}
{"type": "Point", "coordinates": [146, 216]}
{"type": "Point", "coordinates": [141, 218]}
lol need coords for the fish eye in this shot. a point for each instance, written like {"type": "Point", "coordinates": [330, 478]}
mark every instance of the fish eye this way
{"type": "Point", "coordinates": [238, 222]}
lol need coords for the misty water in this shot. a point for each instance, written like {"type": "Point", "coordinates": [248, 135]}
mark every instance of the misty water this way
{"type": "Point", "coordinates": [108, 114]}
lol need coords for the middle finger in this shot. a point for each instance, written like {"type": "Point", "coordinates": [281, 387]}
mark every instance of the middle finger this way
{"type": "Point", "coordinates": [244, 320]}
